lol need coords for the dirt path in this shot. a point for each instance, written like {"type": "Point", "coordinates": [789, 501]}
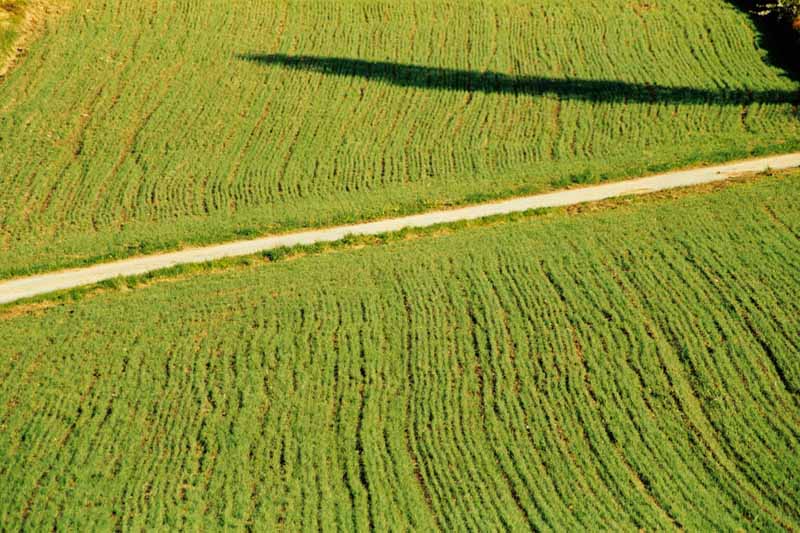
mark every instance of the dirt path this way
{"type": "Point", "coordinates": [17, 289]}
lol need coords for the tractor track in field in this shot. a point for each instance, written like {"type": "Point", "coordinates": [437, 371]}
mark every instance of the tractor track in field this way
{"type": "Point", "coordinates": [20, 288]}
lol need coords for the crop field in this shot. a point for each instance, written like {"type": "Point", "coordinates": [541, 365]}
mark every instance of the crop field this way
{"type": "Point", "coordinates": [622, 368]}
{"type": "Point", "coordinates": [138, 125]}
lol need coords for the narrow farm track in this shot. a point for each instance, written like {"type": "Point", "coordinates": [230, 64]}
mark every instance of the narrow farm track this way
{"type": "Point", "coordinates": [17, 289]}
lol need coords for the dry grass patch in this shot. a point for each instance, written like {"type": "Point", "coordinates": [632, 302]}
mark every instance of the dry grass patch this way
{"type": "Point", "coordinates": [21, 23]}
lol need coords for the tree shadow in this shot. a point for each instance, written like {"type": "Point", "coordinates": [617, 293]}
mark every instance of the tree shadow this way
{"type": "Point", "coordinates": [776, 37]}
{"type": "Point", "coordinates": [446, 79]}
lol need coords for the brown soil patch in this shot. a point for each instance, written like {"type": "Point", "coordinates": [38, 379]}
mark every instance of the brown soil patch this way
{"type": "Point", "coordinates": [25, 309]}
{"type": "Point", "coordinates": [9, 8]}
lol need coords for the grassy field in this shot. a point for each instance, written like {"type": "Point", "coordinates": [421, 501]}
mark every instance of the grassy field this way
{"type": "Point", "coordinates": [625, 368]}
{"type": "Point", "coordinates": [11, 16]}
{"type": "Point", "coordinates": [138, 125]}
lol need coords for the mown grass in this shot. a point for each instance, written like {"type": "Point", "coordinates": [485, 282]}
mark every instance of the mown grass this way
{"type": "Point", "coordinates": [137, 126]}
{"type": "Point", "coordinates": [632, 368]}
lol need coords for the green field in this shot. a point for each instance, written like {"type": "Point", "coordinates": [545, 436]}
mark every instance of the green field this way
{"type": "Point", "coordinates": [137, 125]}
{"type": "Point", "coordinates": [625, 368]}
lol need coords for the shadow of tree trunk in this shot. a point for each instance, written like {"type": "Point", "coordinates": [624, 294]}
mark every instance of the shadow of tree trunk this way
{"type": "Point", "coordinates": [447, 79]}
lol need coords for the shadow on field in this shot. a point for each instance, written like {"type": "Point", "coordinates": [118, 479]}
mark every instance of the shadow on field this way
{"type": "Point", "coordinates": [446, 79]}
{"type": "Point", "coordinates": [776, 36]}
